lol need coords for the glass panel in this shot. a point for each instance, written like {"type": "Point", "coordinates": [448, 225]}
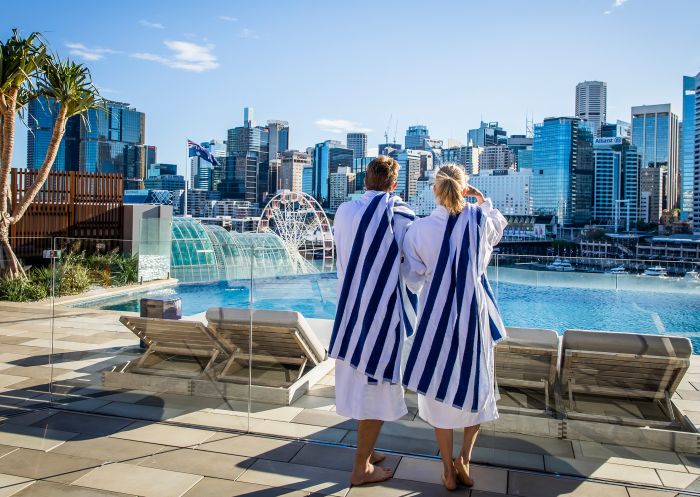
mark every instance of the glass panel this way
{"type": "Point", "coordinates": [139, 327]}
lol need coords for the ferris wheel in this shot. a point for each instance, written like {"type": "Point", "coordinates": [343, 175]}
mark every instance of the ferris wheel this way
{"type": "Point", "coordinates": [298, 219]}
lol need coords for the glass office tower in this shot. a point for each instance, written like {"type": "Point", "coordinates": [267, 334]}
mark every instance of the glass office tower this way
{"type": "Point", "coordinates": [687, 157]}
{"type": "Point", "coordinates": [487, 134]}
{"type": "Point", "coordinates": [563, 169]}
{"type": "Point", "coordinates": [655, 134]}
{"type": "Point", "coordinates": [416, 137]}
{"type": "Point", "coordinates": [328, 157]}
{"type": "Point", "coordinates": [616, 181]}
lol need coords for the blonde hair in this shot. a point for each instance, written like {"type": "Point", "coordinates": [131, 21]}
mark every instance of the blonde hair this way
{"type": "Point", "coordinates": [450, 182]}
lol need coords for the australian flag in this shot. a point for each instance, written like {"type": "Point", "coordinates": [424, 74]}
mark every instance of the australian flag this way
{"type": "Point", "coordinates": [196, 150]}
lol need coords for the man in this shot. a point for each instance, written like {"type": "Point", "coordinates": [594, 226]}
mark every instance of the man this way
{"type": "Point", "coordinates": [371, 319]}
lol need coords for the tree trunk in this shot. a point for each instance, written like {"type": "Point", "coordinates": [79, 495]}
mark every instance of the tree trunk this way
{"type": "Point", "coordinates": [8, 108]}
{"type": "Point", "coordinates": [30, 193]}
{"type": "Point", "coordinates": [9, 264]}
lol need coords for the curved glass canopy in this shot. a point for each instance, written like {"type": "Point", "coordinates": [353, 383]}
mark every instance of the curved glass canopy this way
{"type": "Point", "coordinates": [203, 253]}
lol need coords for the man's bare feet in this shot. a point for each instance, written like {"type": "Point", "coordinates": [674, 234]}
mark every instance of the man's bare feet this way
{"type": "Point", "coordinates": [372, 474]}
{"type": "Point", "coordinates": [449, 480]}
{"type": "Point", "coordinates": [376, 457]}
{"type": "Point", "coordinates": [462, 470]}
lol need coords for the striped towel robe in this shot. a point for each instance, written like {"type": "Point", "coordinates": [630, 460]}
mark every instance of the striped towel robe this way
{"type": "Point", "coordinates": [375, 310]}
{"type": "Point", "coordinates": [451, 359]}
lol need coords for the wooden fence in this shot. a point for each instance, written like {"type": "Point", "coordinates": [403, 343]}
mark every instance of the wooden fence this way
{"type": "Point", "coordinates": [69, 205]}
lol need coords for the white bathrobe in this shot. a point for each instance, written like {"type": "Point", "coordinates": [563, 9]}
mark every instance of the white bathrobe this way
{"type": "Point", "coordinates": [370, 322]}
{"type": "Point", "coordinates": [451, 362]}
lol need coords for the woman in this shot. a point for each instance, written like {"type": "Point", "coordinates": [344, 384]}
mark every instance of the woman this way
{"type": "Point", "coordinates": [450, 363]}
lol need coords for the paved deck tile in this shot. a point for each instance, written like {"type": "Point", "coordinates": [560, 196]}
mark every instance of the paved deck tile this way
{"type": "Point", "coordinates": [530, 485]}
{"type": "Point", "coordinates": [83, 423]}
{"type": "Point", "coordinates": [683, 481]}
{"type": "Point", "coordinates": [138, 480]}
{"type": "Point", "coordinates": [51, 489]}
{"type": "Point", "coordinates": [399, 444]}
{"type": "Point", "coordinates": [251, 446]}
{"type": "Point", "coordinates": [107, 449]}
{"type": "Point", "coordinates": [601, 469]}
{"type": "Point", "coordinates": [325, 418]}
{"type": "Point", "coordinates": [213, 487]}
{"type": "Point", "coordinates": [213, 464]}
{"type": "Point", "coordinates": [11, 484]}
{"type": "Point", "coordinates": [214, 419]}
{"type": "Point", "coordinates": [137, 411]}
{"type": "Point", "coordinates": [37, 465]}
{"type": "Point", "coordinates": [430, 471]}
{"type": "Point", "coordinates": [298, 477]}
{"type": "Point", "coordinates": [294, 430]}
{"type": "Point", "coordinates": [31, 437]}
{"type": "Point", "coordinates": [631, 456]}
{"type": "Point", "coordinates": [326, 456]}
{"type": "Point", "coordinates": [162, 434]}
{"type": "Point", "coordinates": [406, 488]}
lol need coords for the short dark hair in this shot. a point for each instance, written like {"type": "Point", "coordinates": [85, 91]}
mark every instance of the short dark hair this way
{"type": "Point", "coordinates": [382, 174]}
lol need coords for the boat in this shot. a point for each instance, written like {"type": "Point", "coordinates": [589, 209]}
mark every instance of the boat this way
{"type": "Point", "coordinates": [692, 275]}
{"type": "Point", "coordinates": [560, 265]}
{"type": "Point", "coordinates": [655, 271]}
{"type": "Point", "coordinates": [618, 270]}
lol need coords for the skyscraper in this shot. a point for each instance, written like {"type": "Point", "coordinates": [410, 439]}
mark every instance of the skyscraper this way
{"type": "Point", "coordinates": [416, 136]}
{"type": "Point", "coordinates": [487, 134]}
{"type": "Point", "coordinates": [655, 134]}
{"type": "Point", "coordinates": [496, 157]}
{"type": "Point", "coordinates": [413, 164]}
{"type": "Point", "coordinates": [696, 193]}
{"type": "Point", "coordinates": [342, 183]}
{"type": "Point", "coordinates": [465, 156]}
{"type": "Point", "coordinates": [328, 157]}
{"type": "Point", "coordinates": [563, 169]}
{"type": "Point", "coordinates": [279, 137]}
{"type": "Point", "coordinates": [292, 169]}
{"type": "Point", "coordinates": [592, 102]}
{"type": "Point", "coordinates": [615, 199]}
{"type": "Point", "coordinates": [109, 140]}
{"type": "Point", "coordinates": [521, 146]}
{"type": "Point", "coordinates": [687, 156]}
{"type": "Point", "coordinates": [357, 142]}
{"type": "Point", "coordinates": [202, 172]}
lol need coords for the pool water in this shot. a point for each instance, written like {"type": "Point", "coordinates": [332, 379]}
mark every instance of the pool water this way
{"type": "Point", "coordinates": [558, 308]}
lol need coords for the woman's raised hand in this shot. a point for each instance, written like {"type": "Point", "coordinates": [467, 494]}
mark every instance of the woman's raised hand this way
{"type": "Point", "coordinates": [471, 191]}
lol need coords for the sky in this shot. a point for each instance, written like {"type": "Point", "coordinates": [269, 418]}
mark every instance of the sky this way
{"type": "Point", "coordinates": [329, 67]}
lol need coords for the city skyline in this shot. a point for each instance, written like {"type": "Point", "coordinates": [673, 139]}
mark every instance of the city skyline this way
{"type": "Point", "coordinates": [160, 45]}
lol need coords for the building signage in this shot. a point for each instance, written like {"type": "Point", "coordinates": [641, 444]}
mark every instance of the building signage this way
{"type": "Point", "coordinates": [613, 140]}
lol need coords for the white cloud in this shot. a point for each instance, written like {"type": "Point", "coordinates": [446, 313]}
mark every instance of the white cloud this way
{"type": "Point", "coordinates": [88, 53]}
{"type": "Point", "coordinates": [616, 4]}
{"type": "Point", "coordinates": [249, 33]}
{"type": "Point", "coordinates": [607, 12]}
{"type": "Point", "coordinates": [185, 56]}
{"type": "Point", "coordinates": [228, 18]}
{"type": "Point", "coordinates": [150, 24]}
{"type": "Point", "coordinates": [340, 126]}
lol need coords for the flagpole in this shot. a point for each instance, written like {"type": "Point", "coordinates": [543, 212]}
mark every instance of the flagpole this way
{"type": "Point", "coordinates": [187, 175]}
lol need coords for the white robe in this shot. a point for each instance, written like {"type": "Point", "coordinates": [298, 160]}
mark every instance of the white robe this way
{"type": "Point", "coordinates": [422, 245]}
{"type": "Point", "coordinates": [357, 396]}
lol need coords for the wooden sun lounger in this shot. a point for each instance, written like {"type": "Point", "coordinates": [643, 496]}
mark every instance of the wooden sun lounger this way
{"type": "Point", "coordinates": [528, 359]}
{"type": "Point", "coordinates": [278, 338]}
{"type": "Point", "coordinates": [623, 366]}
{"type": "Point", "coordinates": [178, 338]}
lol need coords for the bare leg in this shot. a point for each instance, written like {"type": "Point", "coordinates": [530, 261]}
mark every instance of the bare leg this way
{"type": "Point", "coordinates": [376, 457]}
{"type": "Point", "coordinates": [364, 471]}
{"type": "Point", "coordinates": [445, 439]}
{"type": "Point", "coordinates": [465, 455]}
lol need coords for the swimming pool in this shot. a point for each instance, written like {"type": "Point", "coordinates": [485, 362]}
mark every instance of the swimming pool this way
{"type": "Point", "coordinates": [558, 308]}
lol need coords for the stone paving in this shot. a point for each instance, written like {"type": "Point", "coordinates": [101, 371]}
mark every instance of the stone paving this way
{"type": "Point", "coordinates": [104, 442]}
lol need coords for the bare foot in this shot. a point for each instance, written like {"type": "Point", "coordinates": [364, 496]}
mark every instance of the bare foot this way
{"type": "Point", "coordinates": [462, 470]}
{"type": "Point", "coordinates": [450, 480]}
{"type": "Point", "coordinates": [372, 474]}
{"type": "Point", "coordinates": [376, 458]}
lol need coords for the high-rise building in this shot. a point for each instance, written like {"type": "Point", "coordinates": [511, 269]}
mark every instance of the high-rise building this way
{"type": "Point", "coordinates": [328, 157]}
{"type": "Point", "coordinates": [357, 142]}
{"type": "Point", "coordinates": [203, 173]}
{"type": "Point", "coordinates": [487, 134]}
{"type": "Point", "coordinates": [496, 157]}
{"type": "Point", "coordinates": [161, 169]}
{"type": "Point", "coordinates": [170, 182]}
{"type": "Point", "coordinates": [279, 137]}
{"type": "Point", "coordinates": [41, 117]}
{"type": "Point", "coordinates": [696, 193]}
{"type": "Point", "coordinates": [651, 194]}
{"type": "Point", "coordinates": [521, 144]}
{"type": "Point", "coordinates": [292, 168]}
{"type": "Point", "coordinates": [509, 190]}
{"type": "Point", "coordinates": [307, 180]}
{"type": "Point", "coordinates": [687, 156]}
{"type": "Point", "coordinates": [413, 164]}
{"type": "Point", "coordinates": [592, 102]}
{"type": "Point", "coordinates": [465, 156]}
{"type": "Point", "coordinates": [388, 148]}
{"type": "Point", "coordinates": [563, 169]}
{"type": "Point", "coordinates": [655, 134]}
{"type": "Point", "coordinates": [416, 136]}
{"type": "Point", "coordinates": [616, 180]}
{"type": "Point", "coordinates": [342, 183]}
{"type": "Point", "coordinates": [109, 140]}
{"type": "Point", "coordinates": [359, 166]}
{"type": "Point", "coordinates": [151, 155]}
{"type": "Point", "coordinates": [619, 128]}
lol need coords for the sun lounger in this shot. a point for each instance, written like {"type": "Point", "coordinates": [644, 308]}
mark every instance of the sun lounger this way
{"type": "Point", "coordinates": [625, 368]}
{"type": "Point", "coordinates": [528, 359]}
{"type": "Point", "coordinates": [175, 347]}
{"type": "Point", "coordinates": [283, 344]}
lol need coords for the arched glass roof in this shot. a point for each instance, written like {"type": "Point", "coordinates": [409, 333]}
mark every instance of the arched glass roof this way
{"type": "Point", "coordinates": [203, 253]}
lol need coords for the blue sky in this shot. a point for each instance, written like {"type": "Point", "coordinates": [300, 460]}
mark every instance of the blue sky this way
{"type": "Point", "coordinates": [330, 66]}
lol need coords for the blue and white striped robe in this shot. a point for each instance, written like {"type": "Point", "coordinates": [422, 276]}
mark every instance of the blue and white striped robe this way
{"type": "Point", "coordinates": [375, 311]}
{"type": "Point", "coordinates": [451, 358]}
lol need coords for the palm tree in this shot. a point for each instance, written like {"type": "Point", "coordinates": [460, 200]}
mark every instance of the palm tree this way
{"type": "Point", "coordinates": [68, 87]}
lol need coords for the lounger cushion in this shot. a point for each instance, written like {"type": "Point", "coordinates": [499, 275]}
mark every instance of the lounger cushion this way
{"type": "Point", "coordinates": [532, 337]}
{"type": "Point", "coordinates": [262, 317]}
{"type": "Point", "coordinates": [627, 343]}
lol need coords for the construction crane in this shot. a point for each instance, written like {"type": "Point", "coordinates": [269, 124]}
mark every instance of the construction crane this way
{"type": "Point", "coordinates": [386, 131]}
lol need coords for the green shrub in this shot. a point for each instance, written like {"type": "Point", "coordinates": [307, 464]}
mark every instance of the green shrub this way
{"type": "Point", "coordinates": [125, 270]}
{"type": "Point", "coordinates": [21, 290]}
{"type": "Point", "coordinates": [72, 277]}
